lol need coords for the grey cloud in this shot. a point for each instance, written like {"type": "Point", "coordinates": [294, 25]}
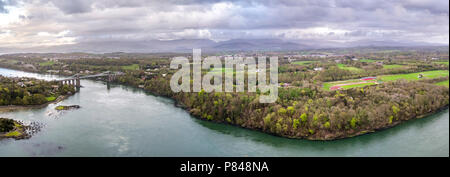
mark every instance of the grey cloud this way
{"type": "Point", "coordinates": [74, 6]}
{"type": "Point", "coordinates": [4, 3]}
{"type": "Point", "coordinates": [2, 7]}
{"type": "Point", "coordinates": [137, 20]}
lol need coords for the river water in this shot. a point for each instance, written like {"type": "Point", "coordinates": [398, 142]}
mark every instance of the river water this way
{"type": "Point", "coordinates": [123, 121]}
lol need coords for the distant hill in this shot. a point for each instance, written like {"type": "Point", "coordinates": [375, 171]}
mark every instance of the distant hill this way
{"type": "Point", "coordinates": [186, 45]}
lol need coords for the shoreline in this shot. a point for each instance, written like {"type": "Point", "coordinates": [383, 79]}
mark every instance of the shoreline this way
{"type": "Point", "coordinates": [310, 138]}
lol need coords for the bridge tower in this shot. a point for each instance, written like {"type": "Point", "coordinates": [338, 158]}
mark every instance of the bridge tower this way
{"type": "Point", "coordinates": [77, 84]}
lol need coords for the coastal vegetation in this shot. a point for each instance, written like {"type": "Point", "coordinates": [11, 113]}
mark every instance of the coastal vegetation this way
{"type": "Point", "coordinates": [61, 107]}
{"type": "Point", "coordinates": [12, 129]}
{"type": "Point", "coordinates": [29, 91]}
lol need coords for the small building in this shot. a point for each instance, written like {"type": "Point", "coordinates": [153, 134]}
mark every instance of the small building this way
{"type": "Point", "coordinates": [420, 76]}
{"type": "Point", "coordinates": [21, 84]}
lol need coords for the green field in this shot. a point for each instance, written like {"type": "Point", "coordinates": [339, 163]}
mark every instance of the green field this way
{"type": "Point", "coordinates": [303, 62]}
{"type": "Point", "coordinates": [385, 78]}
{"type": "Point", "coordinates": [131, 67]}
{"type": "Point", "coordinates": [219, 71]}
{"type": "Point", "coordinates": [392, 66]}
{"type": "Point", "coordinates": [328, 85]}
{"type": "Point", "coordinates": [414, 76]}
{"type": "Point", "coordinates": [47, 63]}
{"type": "Point", "coordinates": [443, 83]}
{"type": "Point", "coordinates": [358, 85]}
{"type": "Point", "coordinates": [442, 62]}
{"type": "Point", "coordinates": [350, 68]}
{"type": "Point", "coordinates": [51, 98]}
{"type": "Point", "coordinates": [367, 60]}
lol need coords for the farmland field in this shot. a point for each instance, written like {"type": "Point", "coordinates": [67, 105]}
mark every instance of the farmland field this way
{"type": "Point", "coordinates": [415, 76]}
{"type": "Point", "coordinates": [442, 62]}
{"type": "Point", "coordinates": [443, 83]}
{"type": "Point", "coordinates": [347, 84]}
{"type": "Point", "coordinates": [358, 85]}
{"type": "Point", "coordinates": [219, 71]}
{"type": "Point", "coordinates": [303, 62]}
{"type": "Point", "coordinates": [131, 67]}
{"type": "Point", "coordinates": [384, 78]}
{"type": "Point", "coordinates": [392, 66]}
{"type": "Point", "coordinates": [47, 63]}
{"type": "Point", "coordinates": [367, 60]}
{"type": "Point", "coordinates": [350, 68]}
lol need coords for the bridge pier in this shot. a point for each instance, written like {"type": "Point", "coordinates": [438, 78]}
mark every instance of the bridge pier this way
{"type": "Point", "coordinates": [77, 83]}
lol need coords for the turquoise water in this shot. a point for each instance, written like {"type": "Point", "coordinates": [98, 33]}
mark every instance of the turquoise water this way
{"type": "Point", "coordinates": [124, 121]}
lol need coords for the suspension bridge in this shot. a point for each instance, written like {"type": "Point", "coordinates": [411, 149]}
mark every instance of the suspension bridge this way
{"type": "Point", "coordinates": [75, 79]}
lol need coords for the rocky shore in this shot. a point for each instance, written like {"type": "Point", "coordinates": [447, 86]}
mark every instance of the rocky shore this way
{"type": "Point", "coordinates": [10, 128]}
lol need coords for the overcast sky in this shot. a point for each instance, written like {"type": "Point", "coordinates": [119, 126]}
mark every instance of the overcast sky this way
{"type": "Point", "coordinates": [31, 23]}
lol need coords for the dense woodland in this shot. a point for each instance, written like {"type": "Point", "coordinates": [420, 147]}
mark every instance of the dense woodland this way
{"type": "Point", "coordinates": [311, 112]}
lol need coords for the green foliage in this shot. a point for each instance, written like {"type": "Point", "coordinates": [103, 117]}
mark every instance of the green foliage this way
{"type": "Point", "coordinates": [6, 125]}
{"type": "Point", "coordinates": [327, 125]}
{"type": "Point", "coordinates": [295, 124]}
{"type": "Point", "coordinates": [290, 109]}
{"type": "Point", "coordinates": [304, 117]}
{"type": "Point", "coordinates": [13, 134]}
{"type": "Point", "coordinates": [50, 98]}
{"type": "Point", "coordinates": [278, 127]}
{"type": "Point", "coordinates": [268, 120]}
{"type": "Point", "coordinates": [353, 122]}
{"type": "Point", "coordinates": [282, 111]}
{"type": "Point", "coordinates": [395, 109]}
